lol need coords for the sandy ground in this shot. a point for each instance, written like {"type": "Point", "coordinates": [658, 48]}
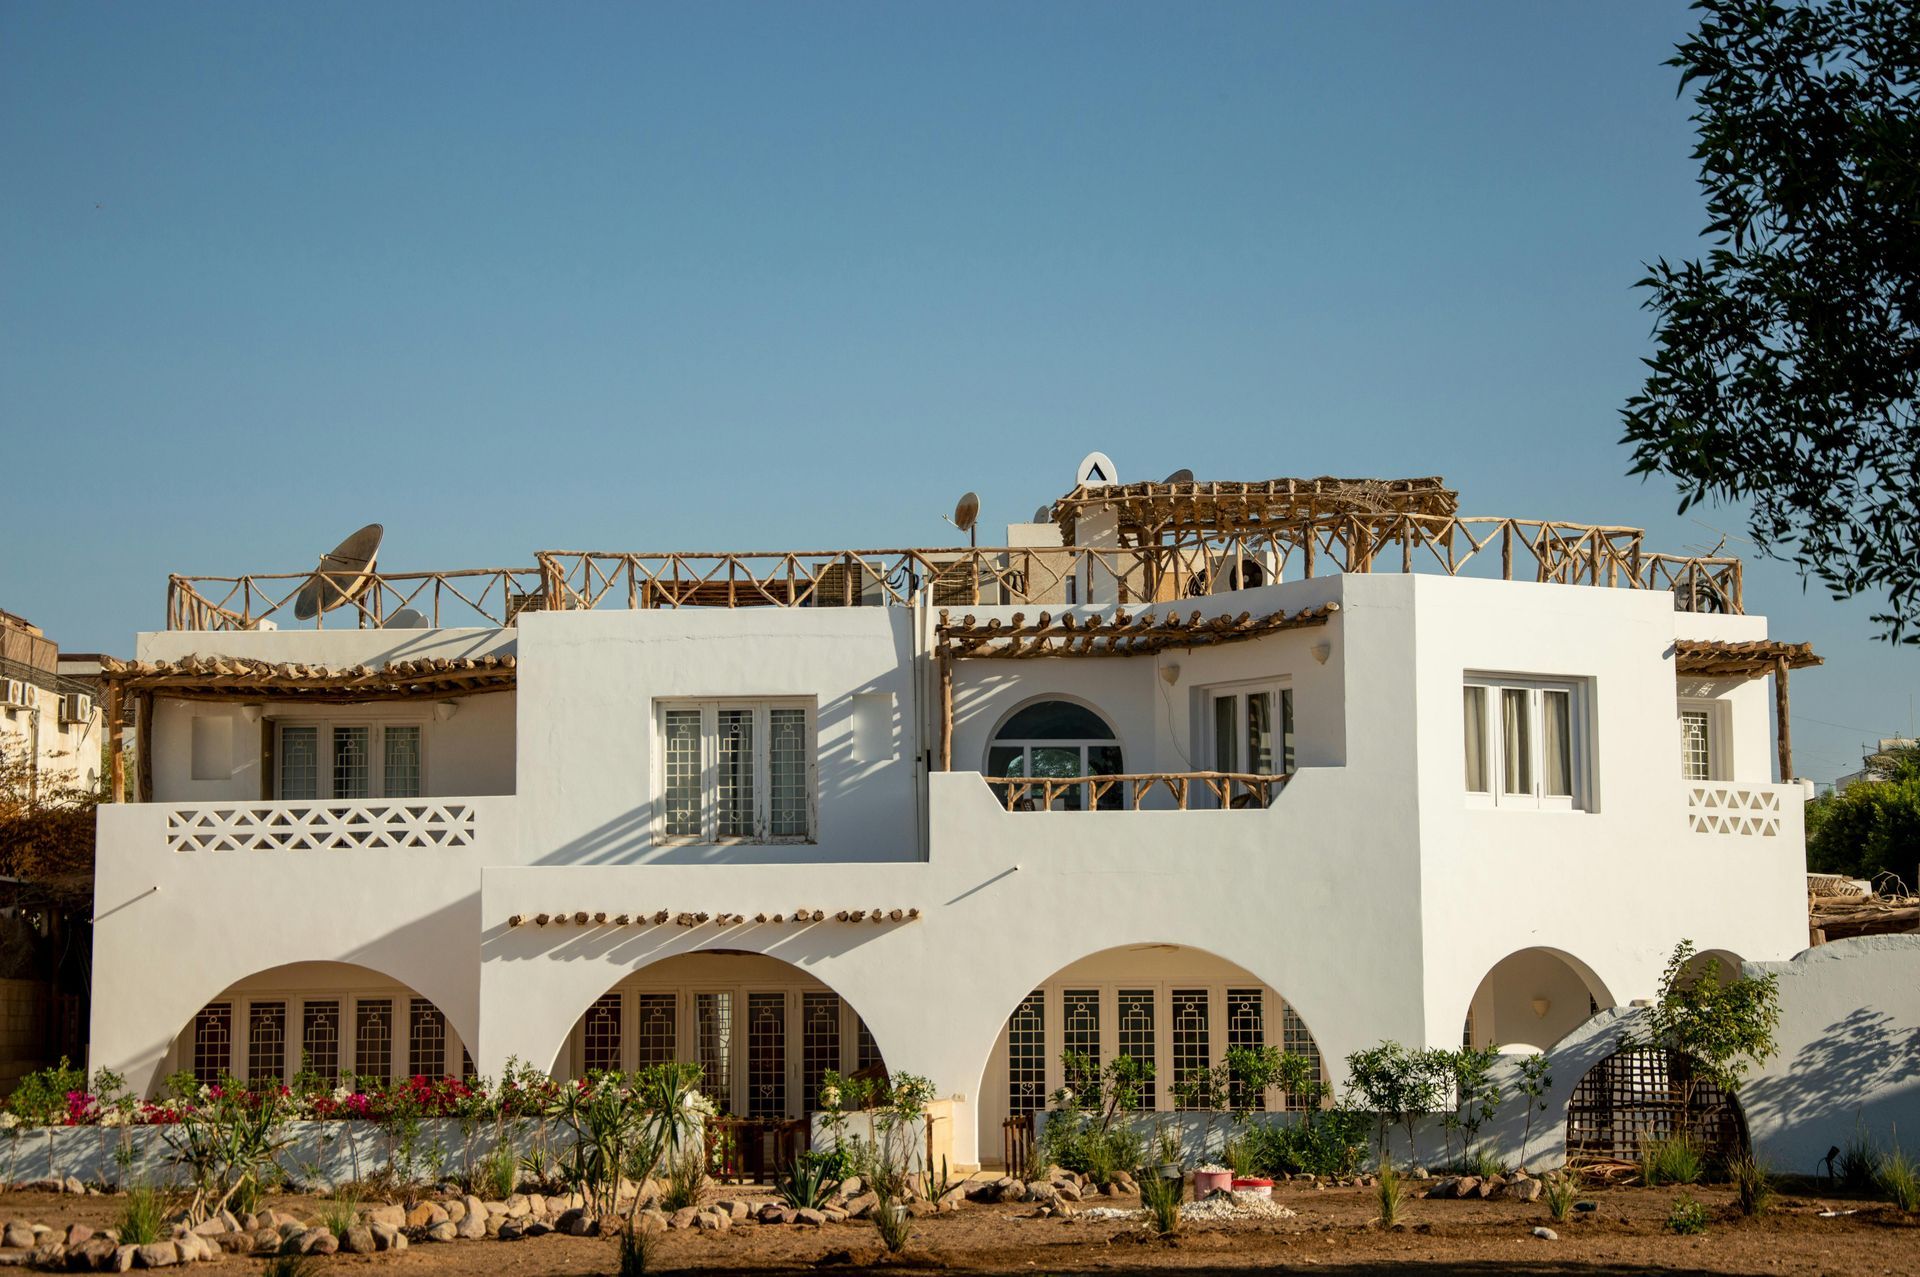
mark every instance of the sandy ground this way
{"type": "Point", "coordinates": [1332, 1232]}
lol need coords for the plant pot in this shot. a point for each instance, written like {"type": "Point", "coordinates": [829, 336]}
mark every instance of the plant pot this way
{"type": "Point", "coordinates": [896, 1211]}
{"type": "Point", "coordinates": [1206, 1183]}
{"type": "Point", "coordinates": [1254, 1187]}
{"type": "Point", "coordinates": [1171, 1170]}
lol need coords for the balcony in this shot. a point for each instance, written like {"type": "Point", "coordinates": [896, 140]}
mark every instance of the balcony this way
{"type": "Point", "coordinates": [1143, 791]}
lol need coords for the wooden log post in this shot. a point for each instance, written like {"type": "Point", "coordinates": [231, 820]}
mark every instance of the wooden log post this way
{"type": "Point", "coordinates": [143, 748]}
{"type": "Point", "coordinates": [116, 762]}
{"type": "Point", "coordinates": [944, 661]}
{"type": "Point", "coordinates": [1781, 718]}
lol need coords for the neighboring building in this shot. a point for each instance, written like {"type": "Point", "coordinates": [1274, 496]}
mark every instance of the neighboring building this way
{"type": "Point", "coordinates": [47, 718]}
{"type": "Point", "coordinates": [1361, 768]}
{"type": "Point", "coordinates": [1878, 764]}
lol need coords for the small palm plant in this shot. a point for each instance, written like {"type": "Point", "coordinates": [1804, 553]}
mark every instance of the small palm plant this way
{"type": "Point", "coordinates": [1392, 1194]}
{"type": "Point", "coordinates": [1559, 1189]}
{"type": "Point", "coordinates": [1161, 1197]}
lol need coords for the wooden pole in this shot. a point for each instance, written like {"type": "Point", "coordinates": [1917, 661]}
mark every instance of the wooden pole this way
{"type": "Point", "coordinates": [116, 763]}
{"type": "Point", "coordinates": [945, 661]}
{"type": "Point", "coordinates": [143, 748]}
{"type": "Point", "coordinates": [1781, 719]}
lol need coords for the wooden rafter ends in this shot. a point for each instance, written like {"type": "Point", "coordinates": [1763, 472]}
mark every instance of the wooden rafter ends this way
{"type": "Point", "coordinates": [1754, 658]}
{"type": "Point", "coordinates": [1145, 510]}
{"type": "Point", "coordinates": [1117, 634]}
{"type": "Point", "coordinates": [240, 678]}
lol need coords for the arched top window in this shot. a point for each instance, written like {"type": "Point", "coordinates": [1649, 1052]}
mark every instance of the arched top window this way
{"type": "Point", "coordinates": [1055, 740]}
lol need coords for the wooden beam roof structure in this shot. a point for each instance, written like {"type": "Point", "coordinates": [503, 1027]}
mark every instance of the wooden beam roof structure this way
{"type": "Point", "coordinates": [1119, 634]}
{"type": "Point", "coordinates": [1148, 510]}
{"type": "Point", "coordinates": [241, 678]}
{"type": "Point", "coordinates": [1753, 658]}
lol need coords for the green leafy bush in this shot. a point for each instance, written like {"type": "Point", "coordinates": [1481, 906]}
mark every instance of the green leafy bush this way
{"type": "Point", "coordinates": [808, 1180]}
{"type": "Point", "coordinates": [1161, 1197]}
{"type": "Point", "coordinates": [1331, 1142]}
{"type": "Point", "coordinates": [1688, 1217]}
{"type": "Point", "coordinates": [1752, 1184]}
{"type": "Point", "coordinates": [1560, 1189]}
{"type": "Point", "coordinates": [143, 1217]}
{"type": "Point", "coordinates": [1675, 1160]}
{"type": "Point", "coordinates": [1899, 1179]}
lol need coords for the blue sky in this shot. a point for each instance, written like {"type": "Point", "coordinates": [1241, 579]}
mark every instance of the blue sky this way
{"type": "Point", "coordinates": [736, 276]}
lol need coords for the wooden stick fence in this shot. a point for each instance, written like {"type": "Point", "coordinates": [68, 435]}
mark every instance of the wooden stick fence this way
{"type": "Point", "coordinates": [1226, 789]}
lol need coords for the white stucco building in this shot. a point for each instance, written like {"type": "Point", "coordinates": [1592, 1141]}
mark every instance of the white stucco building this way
{"type": "Point", "coordinates": [1391, 773]}
{"type": "Point", "coordinates": [49, 724]}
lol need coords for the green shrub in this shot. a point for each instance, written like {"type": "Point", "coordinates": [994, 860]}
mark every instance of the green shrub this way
{"type": "Point", "coordinates": [1859, 1167]}
{"type": "Point", "coordinates": [686, 1182]}
{"type": "Point", "coordinates": [341, 1212]}
{"type": "Point", "coordinates": [636, 1252]}
{"type": "Point", "coordinates": [1078, 1142]}
{"type": "Point", "coordinates": [499, 1173]}
{"type": "Point", "coordinates": [894, 1224]}
{"type": "Point", "coordinates": [1752, 1184]}
{"type": "Point", "coordinates": [1333, 1143]}
{"type": "Point", "coordinates": [1688, 1217]}
{"type": "Point", "coordinates": [808, 1180]}
{"type": "Point", "coordinates": [143, 1217]}
{"type": "Point", "coordinates": [1161, 1198]}
{"type": "Point", "coordinates": [1675, 1160]}
{"type": "Point", "coordinates": [1485, 1165]}
{"type": "Point", "coordinates": [1559, 1189]}
{"type": "Point", "coordinates": [1899, 1179]}
{"type": "Point", "coordinates": [1391, 1193]}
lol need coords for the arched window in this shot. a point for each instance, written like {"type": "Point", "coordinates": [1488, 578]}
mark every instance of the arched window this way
{"type": "Point", "coordinates": [1052, 740]}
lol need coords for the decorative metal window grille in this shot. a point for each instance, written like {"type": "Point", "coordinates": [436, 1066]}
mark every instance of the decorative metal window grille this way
{"type": "Point", "coordinates": [266, 1041]}
{"type": "Point", "coordinates": [352, 772]}
{"type": "Point", "coordinates": [819, 1043]}
{"type": "Point", "coordinates": [1296, 1040]}
{"type": "Point", "coordinates": [1696, 762]}
{"type": "Point", "coordinates": [683, 773]}
{"type": "Point", "coordinates": [656, 1026]}
{"type": "Point", "coordinates": [299, 762]}
{"type": "Point", "coordinates": [1247, 1027]}
{"type": "Point", "coordinates": [766, 1055]}
{"type": "Point", "coordinates": [600, 1035]}
{"type": "Point", "coordinates": [1636, 1097]}
{"type": "Point", "coordinates": [400, 765]}
{"type": "Point", "coordinates": [713, 1014]}
{"type": "Point", "coordinates": [735, 798]}
{"type": "Point", "coordinates": [1192, 1046]}
{"type": "Point", "coordinates": [787, 772]}
{"type": "Point", "coordinates": [1080, 1036]}
{"type": "Point", "coordinates": [1134, 1011]}
{"type": "Point", "coordinates": [426, 1039]}
{"type": "Point", "coordinates": [213, 1042]}
{"type": "Point", "coordinates": [373, 1038]}
{"type": "Point", "coordinates": [468, 1073]}
{"type": "Point", "coordinates": [866, 1051]}
{"type": "Point", "coordinates": [1027, 1055]}
{"type": "Point", "coordinates": [320, 1039]}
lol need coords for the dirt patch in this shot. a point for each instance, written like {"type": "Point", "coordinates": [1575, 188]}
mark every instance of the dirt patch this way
{"type": "Point", "coordinates": [1331, 1231]}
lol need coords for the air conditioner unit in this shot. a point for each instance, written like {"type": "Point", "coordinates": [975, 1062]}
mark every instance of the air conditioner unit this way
{"type": "Point", "coordinates": [76, 707]}
{"type": "Point", "coordinates": [13, 694]}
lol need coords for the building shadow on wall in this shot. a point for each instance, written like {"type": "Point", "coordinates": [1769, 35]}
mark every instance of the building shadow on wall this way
{"type": "Point", "coordinates": [633, 947]}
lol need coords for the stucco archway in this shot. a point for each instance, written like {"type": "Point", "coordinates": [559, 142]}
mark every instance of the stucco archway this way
{"type": "Point", "coordinates": [1531, 999]}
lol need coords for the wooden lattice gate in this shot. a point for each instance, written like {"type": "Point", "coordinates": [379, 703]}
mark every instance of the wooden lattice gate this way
{"type": "Point", "coordinates": [1635, 1097]}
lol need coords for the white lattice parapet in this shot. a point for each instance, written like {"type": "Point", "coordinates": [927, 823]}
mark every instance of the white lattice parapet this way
{"type": "Point", "coordinates": [320, 826]}
{"type": "Point", "coordinates": [1733, 809]}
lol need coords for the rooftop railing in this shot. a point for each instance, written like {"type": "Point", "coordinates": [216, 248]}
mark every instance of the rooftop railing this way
{"type": "Point", "coordinates": [1186, 565]}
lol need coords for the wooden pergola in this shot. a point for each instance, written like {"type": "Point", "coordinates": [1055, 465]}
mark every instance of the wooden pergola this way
{"type": "Point", "coordinates": [228, 678]}
{"type": "Point", "coordinates": [1118, 634]}
{"type": "Point", "coordinates": [1149, 511]}
{"type": "Point", "coordinates": [1747, 659]}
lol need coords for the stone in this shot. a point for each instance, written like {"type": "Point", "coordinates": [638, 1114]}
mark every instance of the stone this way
{"type": "Point", "coordinates": [236, 1243]}
{"type": "Point", "coordinates": [1546, 1234]}
{"type": "Point", "coordinates": [770, 1213]}
{"type": "Point", "coordinates": [212, 1226]}
{"type": "Point", "coordinates": [862, 1206]}
{"type": "Point", "coordinates": [650, 1220]}
{"type": "Point", "coordinates": [1448, 1187]}
{"type": "Point", "coordinates": [808, 1215]}
{"type": "Point", "coordinates": [834, 1214]}
{"type": "Point", "coordinates": [74, 1186]}
{"type": "Point", "coordinates": [444, 1231]}
{"type": "Point", "coordinates": [538, 1228]}
{"type": "Point", "coordinates": [96, 1253]}
{"type": "Point", "coordinates": [921, 1209]}
{"type": "Point", "coordinates": [711, 1222]}
{"type": "Point", "coordinates": [492, 1227]}
{"type": "Point", "coordinates": [76, 1235]}
{"type": "Point", "coordinates": [511, 1230]}
{"type": "Point", "coordinates": [1040, 1191]}
{"type": "Point", "coordinates": [1064, 1209]}
{"type": "Point", "coordinates": [571, 1222]}
{"type": "Point", "coordinates": [1064, 1188]}
{"type": "Point", "coordinates": [1525, 1190]}
{"type": "Point", "coordinates": [474, 1206]}
{"type": "Point", "coordinates": [18, 1235]}
{"type": "Point", "coordinates": [48, 1255]}
{"type": "Point", "coordinates": [497, 1208]}
{"type": "Point", "coordinates": [472, 1223]}
{"type": "Point", "coordinates": [456, 1210]}
{"type": "Point", "coordinates": [519, 1206]}
{"type": "Point", "coordinates": [424, 1215]}
{"type": "Point", "coordinates": [682, 1218]}
{"type": "Point", "coordinates": [852, 1185]}
{"type": "Point", "coordinates": [158, 1255]}
{"type": "Point", "coordinates": [736, 1209]}
{"type": "Point", "coordinates": [123, 1259]}
{"type": "Point", "coordinates": [1489, 1186]}
{"type": "Point", "coordinates": [391, 1216]}
{"type": "Point", "coordinates": [1466, 1186]}
{"type": "Point", "coordinates": [357, 1240]}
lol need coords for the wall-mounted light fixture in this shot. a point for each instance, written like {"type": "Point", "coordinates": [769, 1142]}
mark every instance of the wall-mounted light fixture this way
{"type": "Point", "coordinates": [1321, 651]}
{"type": "Point", "coordinates": [1541, 1006]}
{"type": "Point", "coordinates": [1170, 673]}
{"type": "Point", "coordinates": [444, 710]}
{"type": "Point", "coordinates": [252, 712]}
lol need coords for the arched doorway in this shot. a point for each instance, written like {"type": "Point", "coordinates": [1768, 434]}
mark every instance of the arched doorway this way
{"type": "Point", "coordinates": [1054, 740]}
{"type": "Point", "coordinates": [328, 1020]}
{"type": "Point", "coordinates": [764, 1032]}
{"type": "Point", "coordinates": [1639, 1096]}
{"type": "Point", "coordinates": [1176, 1006]}
{"type": "Point", "coordinates": [1531, 999]}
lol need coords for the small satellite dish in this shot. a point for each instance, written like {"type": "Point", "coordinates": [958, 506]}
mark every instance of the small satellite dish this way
{"type": "Point", "coordinates": [1182, 475]}
{"type": "Point", "coordinates": [341, 576]}
{"type": "Point", "coordinates": [406, 619]}
{"type": "Point", "coordinates": [966, 512]}
{"type": "Point", "coordinates": [1043, 515]}
{"type": "Point", "coordinates": [1096, 469]}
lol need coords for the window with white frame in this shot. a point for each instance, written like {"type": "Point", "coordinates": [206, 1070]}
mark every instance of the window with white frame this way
{"type": "Point", "coordinates": [361, 760]}
{"type": "Point", "coordinates": [1523, 741]}
{"type": "Point", "coordinates": [1702, 752]}
{"type": "Point", "coordinates": [736, 771]}
{"type": "Point", "coordinates": [1251, 727]}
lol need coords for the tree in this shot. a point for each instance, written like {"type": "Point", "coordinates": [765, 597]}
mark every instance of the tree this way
{"type": "Point", "coordinates": [1872, 826]}
{"type": "Point", "coordinates": [1723, 1027]}
{"type": "Point", "coordinates": [1788, 361]}
{"type": "Point", "coordinates": [46, 838]}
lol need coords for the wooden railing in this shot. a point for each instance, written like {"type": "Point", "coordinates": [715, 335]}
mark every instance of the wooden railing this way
{"type": "Point", "coordinates": [1115, 793]}
{"type": "Point", "coordinates": [750, 1150]}
{"type": "Point", "coordinates": [1016, 1143]}
{"type": "Point", "coordinates": [1185, 565]}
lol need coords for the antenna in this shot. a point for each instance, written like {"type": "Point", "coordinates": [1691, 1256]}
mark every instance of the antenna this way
{"type": "Point", "coordinates": [966, 513]}
{"type": "Point", "coordinates": [343, 573]}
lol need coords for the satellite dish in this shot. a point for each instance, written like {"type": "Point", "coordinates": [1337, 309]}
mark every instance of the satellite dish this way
{"type": "Point", "coordinates": [966, 512]}
{"type": "Point", "coordinates": [1181, 475]}
{"type": "Point", "coordinates": [341, 576]}
{"type": "Point", "coordinates": [1043, 515]}
{"type": "Point", "coordinates": [406, 619]}
{"type": "Point", "coordinates": [1096, 469]}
